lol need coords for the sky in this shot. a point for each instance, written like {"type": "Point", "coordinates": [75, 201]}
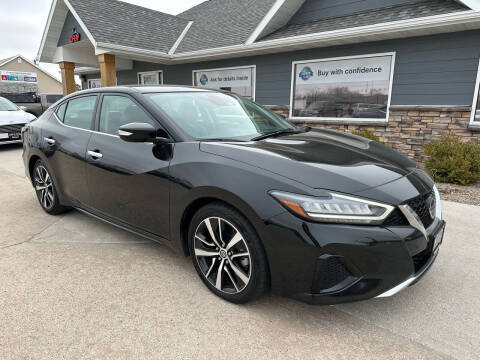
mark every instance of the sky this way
{"type": "Point", "coordinates": [23, 22]}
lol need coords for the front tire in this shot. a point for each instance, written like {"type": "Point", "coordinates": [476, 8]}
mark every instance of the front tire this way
{"type": "Point", "coordinates": [227, 254]}
{"type": "Point", "coordinates": [45, 189]}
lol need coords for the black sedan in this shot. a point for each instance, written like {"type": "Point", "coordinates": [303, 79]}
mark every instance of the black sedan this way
{"type": "Point", "coordinates": [317, 215]}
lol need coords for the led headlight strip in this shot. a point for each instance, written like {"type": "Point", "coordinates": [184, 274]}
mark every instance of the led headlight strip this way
{"type": "Point", "coordinates": [334, 208]}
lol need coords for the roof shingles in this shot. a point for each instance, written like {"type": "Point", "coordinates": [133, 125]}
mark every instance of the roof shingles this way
{"type": "Point", "coordinates": [219, 23]}
{"type": "Point", "coordinates": [383, 15]}
{"type": "Point", "coordinates": [119, 23]}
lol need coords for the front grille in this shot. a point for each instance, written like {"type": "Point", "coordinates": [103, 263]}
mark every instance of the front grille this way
{"type": "Point", "coordinates": [11, 128]}
{"type": "Point", "coordinates": [329, 272]}
{"type": "Point", "coordinates": [421, 206]}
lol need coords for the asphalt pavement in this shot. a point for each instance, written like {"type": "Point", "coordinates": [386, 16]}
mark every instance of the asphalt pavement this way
{"type": "Point", "coordinates": [72, 287]}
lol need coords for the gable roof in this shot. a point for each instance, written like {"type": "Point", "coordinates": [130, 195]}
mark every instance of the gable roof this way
{"type": "Point", "coordinates": [364, 18]}
{"type": "Point", "coordinates": [218, 29]}
{"type": "Point", "coordinates": [7, 60]}
{"type": "Point", "coordinates": [218, 23]}
{"type": "Point", "coordinates": [120, 23]}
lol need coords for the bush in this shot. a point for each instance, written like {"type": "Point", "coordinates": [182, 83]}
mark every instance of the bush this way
{"type": "Point", "coordinates": [453, 161]}
{"type": "Point", "coordinates": [367, 134]}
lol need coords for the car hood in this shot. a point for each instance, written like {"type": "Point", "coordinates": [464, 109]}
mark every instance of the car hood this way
{"type": "Point", "coordinates": [320, 159]}
{"type": "Point", "coordinates": [15, 117]}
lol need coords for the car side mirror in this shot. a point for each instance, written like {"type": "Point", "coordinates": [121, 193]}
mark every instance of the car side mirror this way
{"type": "Point", "coordinates": [141, 133]}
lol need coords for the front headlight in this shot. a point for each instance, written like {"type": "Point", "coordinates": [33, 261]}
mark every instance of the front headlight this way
{"type": "Point", "coordinates": [334, 208]}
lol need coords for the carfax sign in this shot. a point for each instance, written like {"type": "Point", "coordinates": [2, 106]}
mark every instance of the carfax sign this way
{"type": "Point", "coordinates": [18, 76]}
{"type": "Point", "coordinates": [238, 80]}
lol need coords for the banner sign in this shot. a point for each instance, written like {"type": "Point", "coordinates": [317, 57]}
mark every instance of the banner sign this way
{"type": "Point", "coordinates": [238, 80]}
{"type": "Point", "coordinates": [94, 83]}
{"type": "Point", "coordinates": [18, 76]}
{"type": "Point", "coordinates": [343, 88]}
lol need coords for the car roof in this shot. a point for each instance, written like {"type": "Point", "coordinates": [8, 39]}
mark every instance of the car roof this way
{"type": "Point", "coordinates": [143, 89]}
{"type": "Point", "coordinates": [136, 89]}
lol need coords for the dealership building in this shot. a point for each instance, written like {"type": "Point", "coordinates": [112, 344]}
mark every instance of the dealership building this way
{"type": "Point", "coordinates": [408, 70]}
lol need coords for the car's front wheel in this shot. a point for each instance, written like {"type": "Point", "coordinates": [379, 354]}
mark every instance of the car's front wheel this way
{"type": "Point", "coordinates": [45, 189]}
{"type": "Point", "coordinates": [227, 253]}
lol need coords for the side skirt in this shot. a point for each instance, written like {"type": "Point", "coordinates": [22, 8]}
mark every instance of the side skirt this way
{"type": "Point", "coordinates": [126, 227]}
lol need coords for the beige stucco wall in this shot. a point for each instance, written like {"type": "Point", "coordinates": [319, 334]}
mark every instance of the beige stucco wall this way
{"type": "Point", "coordinates": [46, 84]}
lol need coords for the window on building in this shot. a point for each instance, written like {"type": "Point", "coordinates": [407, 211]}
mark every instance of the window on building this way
{"type": "Point", "coordinates": [120, 110]}
{"type": "Point", "coordinates": [150, 78]}
{"type": "Point", "coordinates": [345, 89]}
{"type": "Point", "coordinates": [475, 119]}
{"type": "Point", "coordinates": [239, 80]}
{"type": "Point", "coordinates": [94, 83]}
{"type": "Point", "coordinates": [79, 112]}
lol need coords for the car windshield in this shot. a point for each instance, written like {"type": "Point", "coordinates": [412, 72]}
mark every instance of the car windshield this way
{"type": "Point", "coordinates": [7, 105]}
{"type": "Point", "coordinates": [211, 115]}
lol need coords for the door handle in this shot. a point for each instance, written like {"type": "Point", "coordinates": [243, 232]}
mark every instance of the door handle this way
{"type": "Point", "coordinates": [49, 141]}
{"type": "Point", "coordinates": [95, 154]}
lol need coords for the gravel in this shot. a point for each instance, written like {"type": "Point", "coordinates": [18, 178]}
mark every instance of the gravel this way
{"type": "Point", "coordinates": [463, 194]}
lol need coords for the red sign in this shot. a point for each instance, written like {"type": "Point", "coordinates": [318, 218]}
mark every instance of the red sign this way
{"type": "Point", "coordinates": [4, 77]}
{"type": "Point", "coordinates": [75, 37]}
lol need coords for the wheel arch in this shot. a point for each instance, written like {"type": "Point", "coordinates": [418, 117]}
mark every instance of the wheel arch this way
{"type": "Point", "coordinates": [207, 196]}
{"type": "Point", "coordinates": [31, 163]}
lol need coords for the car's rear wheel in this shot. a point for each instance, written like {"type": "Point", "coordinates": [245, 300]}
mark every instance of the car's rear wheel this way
{"type": "Point", "coordinates": [227, 254]}
{"type": "Point", "coordinates": [45, 189]}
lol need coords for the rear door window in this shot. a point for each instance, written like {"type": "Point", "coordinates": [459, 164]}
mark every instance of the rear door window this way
{"type": "Point", "coordinates": [80, 112]}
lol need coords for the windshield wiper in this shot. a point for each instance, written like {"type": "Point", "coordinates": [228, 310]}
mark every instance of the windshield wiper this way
{"type": "Point", "coordinates": [222, 140]}
{"type": "Point", "coordinates": [277, 133]}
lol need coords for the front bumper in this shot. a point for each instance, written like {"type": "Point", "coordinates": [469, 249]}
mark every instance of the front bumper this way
{"type": "Point", "coordinates": [11, 133]}
{"type": "Point", "coordinates": [412, 279]}
{"type": "Point", "coordinates": [332, 263]}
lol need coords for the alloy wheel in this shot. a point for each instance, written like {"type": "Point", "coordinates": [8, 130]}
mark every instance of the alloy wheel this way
{"type": "Point", "coordinates": [222, 255]}
{"type": "Point", "coordinates": [44, 187]}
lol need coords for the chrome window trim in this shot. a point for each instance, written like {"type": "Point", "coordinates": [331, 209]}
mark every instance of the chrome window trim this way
{"type": "Point", "coordinates": [88, 130]}
{"type": "Point", "coordinates": [68, 126]}
{"type": "Point", "coordinates": [74, 98]}
{"type": "Point", "coordinates": [76, 128]}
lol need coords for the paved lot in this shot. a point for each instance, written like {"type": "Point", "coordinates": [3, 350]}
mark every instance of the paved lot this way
{"type": "Point", "coordinates": [72, 287]}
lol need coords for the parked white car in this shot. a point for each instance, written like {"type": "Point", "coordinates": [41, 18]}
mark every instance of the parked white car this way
{"type": "Point", "coordinates": [12, 119]}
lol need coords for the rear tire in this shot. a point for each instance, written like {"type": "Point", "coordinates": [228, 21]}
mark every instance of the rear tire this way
{"type": "Point", "coordinates": [45, 189]}
{"type": "Point", "coordinates": [228, 254]}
